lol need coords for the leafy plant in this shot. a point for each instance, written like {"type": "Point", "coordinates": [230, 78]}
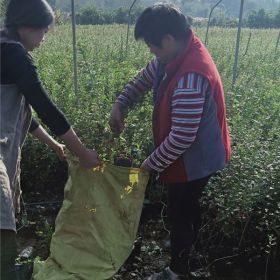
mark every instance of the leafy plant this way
{"type": "Point", "coordinates": [242, 202]}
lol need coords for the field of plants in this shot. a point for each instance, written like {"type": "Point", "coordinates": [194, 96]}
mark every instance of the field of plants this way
{"type": "Point", "coordinates": [242, 203]}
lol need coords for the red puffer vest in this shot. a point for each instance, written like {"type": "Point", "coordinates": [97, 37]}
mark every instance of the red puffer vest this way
{"type": "Point", "coordinates": [194, 59]}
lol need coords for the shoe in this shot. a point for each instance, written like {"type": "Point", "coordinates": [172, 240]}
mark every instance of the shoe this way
{"type": "Point", "coordinates": [197, 266]}
{"type": "Point", "coordinates": [166, 274]}
{"type": "Point", "coordinates": [200, 274]}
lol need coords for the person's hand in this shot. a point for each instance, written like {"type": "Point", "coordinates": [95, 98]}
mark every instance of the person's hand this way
{"type": "Point", "coordinates": [145, 167]}
{"type": "Point", "coordinates": [116, 120]}
{"type": "Point", "coordinates": [59, 149]}
{"type": "Point", "coordinates": [89, 159]}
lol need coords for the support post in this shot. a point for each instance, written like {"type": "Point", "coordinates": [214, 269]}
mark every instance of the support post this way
{"type": "Point", "coordinates": [277, 43]}
{"type": "Point", "coordinates": [237, 43]}
{"type": "Point", "coordinates": [75, 77]}
{"type": "Point", "coordinates": [128, 25]}
{"type": "Point", "coordinates": [209, 18]}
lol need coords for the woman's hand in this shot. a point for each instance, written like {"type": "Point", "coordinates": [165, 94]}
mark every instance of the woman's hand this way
{"type": "Point", "coordinates": [59, 150]}
{"type": "Point", "coordinates": [145, 167]}
{"type": "Point", "coordinates": [89, 159]}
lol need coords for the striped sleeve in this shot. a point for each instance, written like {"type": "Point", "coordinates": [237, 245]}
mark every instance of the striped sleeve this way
{"type": "Point", "coordinates": [138, 86]}
{"type": "Point", "coordinates": [187, 108]}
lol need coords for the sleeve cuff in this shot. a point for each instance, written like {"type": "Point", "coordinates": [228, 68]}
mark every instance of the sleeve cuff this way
{"type": "Point", "coordinates": [152, 165]}
{"type": "Point", "coordinates": [34, 125]}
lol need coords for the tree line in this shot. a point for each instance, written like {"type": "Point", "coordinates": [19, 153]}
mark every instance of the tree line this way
{"type": "Point", "coordinates": [91, 15]}
{"type": "Point", "coordinates": [256, 19]}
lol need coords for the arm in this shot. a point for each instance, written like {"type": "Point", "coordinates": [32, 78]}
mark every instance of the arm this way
{"type": "Point", "coordinates": [42, 135]}
{"type": "Point", "coordinates": [33, 125]}
{"type": "Point", "coordinates": [88, 158]}
{"type": "Point", "coordinates": [20, 70]}
{"type": "Point", "coordinates": [187, 109]}
{"type": "Point", "coordinates": [132, 94]}
{"type": "Point", "coordinates": [24, 75]}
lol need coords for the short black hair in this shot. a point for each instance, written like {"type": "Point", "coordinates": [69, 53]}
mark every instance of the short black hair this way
{"type": "Point", "coordinates": [159, 20]}
{"type": "Point", "coordinates": [28, 13]}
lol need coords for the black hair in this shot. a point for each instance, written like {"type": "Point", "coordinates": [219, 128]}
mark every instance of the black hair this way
{"type": "Point", "coordinates": [28, 13]}
{"type": "Point", "coordinates": [159, 20]}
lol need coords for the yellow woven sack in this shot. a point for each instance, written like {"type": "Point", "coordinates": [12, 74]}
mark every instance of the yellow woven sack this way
{"type": "Point", "coordinates": [97, 224]}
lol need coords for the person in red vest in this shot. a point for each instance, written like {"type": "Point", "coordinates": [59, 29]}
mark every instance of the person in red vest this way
{"type": "Point", "coordinates": [190, 129]}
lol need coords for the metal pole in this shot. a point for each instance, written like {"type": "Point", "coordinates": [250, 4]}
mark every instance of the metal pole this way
{"type": "Point", "coordinates": [208, 24]}
{"type": "Point", "coordinates": [248, 43]}
{"type": "Point", "coordinates": [128, 25]}
{"type": "Point", "coordinates": [277, 42]}
{"type": "Point", "coordinates": [237, 42]}
{"type": "Point", "coordinates": [74, 50]}
{"type": "Point", "coordinates": [3, 6]}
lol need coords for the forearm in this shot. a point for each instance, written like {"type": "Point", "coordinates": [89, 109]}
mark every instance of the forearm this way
{"type": "Point", "coordinates": [42, 135]}
{"type": "Point", "coordinates": [73, 143]}
{"type": "Point", "coordinates": [168, 152]}
{"type": "Point", "coordinates": [140, 84]}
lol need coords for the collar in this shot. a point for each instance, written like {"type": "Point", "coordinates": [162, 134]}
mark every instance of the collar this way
{"type": "Point", "coordinates": [172, 67]}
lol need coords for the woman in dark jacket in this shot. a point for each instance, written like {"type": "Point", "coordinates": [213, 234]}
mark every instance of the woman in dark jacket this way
{"type": "Point", "coordinates": [26, 24]}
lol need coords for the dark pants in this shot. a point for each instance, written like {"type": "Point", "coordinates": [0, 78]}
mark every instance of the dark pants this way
{"type": "Point", "coordinates": [8, 248]}
{"type": "Point", "coordinates": [184, 215]}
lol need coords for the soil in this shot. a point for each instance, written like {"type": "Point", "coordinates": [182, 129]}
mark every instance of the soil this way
{"type": "Point", "coordinates": [150, 254]}
{"type": "Point", "coordinates": [151, 250]}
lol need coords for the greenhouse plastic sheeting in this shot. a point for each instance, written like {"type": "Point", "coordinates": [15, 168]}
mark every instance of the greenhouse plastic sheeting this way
{"type": "Point", "coordinates": [97, 224]}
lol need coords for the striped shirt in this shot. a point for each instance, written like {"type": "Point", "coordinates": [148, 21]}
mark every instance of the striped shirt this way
{"type": "Point", "coordinates": [186, 111]}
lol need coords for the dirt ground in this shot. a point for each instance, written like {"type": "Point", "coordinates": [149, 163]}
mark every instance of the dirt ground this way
{"type": "Point", "coordinates": [151, 250]}
{"type": "Point", "coordinates": [150, 254]}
